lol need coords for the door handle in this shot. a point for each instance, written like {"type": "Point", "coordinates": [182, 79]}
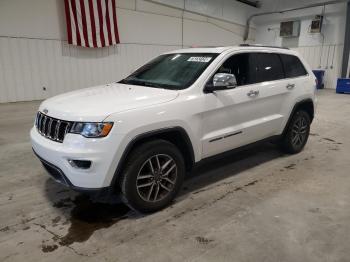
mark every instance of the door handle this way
{"type": "Point", "coordinates": [290, 86]}
{"type": "Point", "coordinates": [253, 93]}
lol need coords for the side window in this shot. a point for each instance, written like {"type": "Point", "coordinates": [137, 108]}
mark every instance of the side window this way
{"type": "Point", "coordinates": [269, 67]}
{"type": "Point", "coordinates": [242, 66]}
{"type": "Point", "coordinates": [292, 66]}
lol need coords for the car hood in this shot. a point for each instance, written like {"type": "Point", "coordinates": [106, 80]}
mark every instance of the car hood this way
{"type": "Point", "coordinates": [96, 103]}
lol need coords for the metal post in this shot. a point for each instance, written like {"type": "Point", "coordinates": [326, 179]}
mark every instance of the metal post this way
{"type": "Point", "coordinates": [346, 51]}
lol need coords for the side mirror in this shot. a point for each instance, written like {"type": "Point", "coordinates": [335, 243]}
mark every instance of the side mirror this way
{"type": "Point", "coordinates": [221, 81]}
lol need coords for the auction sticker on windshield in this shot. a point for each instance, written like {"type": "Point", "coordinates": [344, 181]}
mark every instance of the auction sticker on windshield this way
{"type": "Point", "coordinates": [201, 59]}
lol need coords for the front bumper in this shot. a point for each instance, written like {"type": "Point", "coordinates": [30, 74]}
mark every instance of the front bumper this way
{"type": "Point", "coordinates": [58, 175]}
{"type": "Point", "coordinates": [55, 157]}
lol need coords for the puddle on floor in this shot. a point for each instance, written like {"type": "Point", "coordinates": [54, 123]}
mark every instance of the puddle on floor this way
{"type": "Point", "coordinates": [87, 217]}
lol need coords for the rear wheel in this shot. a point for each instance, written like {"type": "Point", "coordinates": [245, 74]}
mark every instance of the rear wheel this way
{"type": "Point", "coordinates": [297, 133]}
{"type": "Point", "coordinates": [153, 176]}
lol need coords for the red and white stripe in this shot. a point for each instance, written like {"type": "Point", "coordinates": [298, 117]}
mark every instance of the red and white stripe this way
{"type": "Point", "coordinates": [91, 23]}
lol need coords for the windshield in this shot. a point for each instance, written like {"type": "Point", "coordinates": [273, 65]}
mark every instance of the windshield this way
{"type": "Point", "coordinates": [171, 71]}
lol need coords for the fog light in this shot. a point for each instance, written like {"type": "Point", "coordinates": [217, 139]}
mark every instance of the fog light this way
{"type": "Point", "coordinates": [82, 164]}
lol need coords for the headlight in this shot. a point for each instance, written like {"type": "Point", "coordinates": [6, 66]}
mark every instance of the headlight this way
{"type": "Point", "coordinates": [91, 129]}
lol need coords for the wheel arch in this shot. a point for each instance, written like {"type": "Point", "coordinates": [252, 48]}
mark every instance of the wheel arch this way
{"type": "Point", "coordinates": [307, 105]}
{"type": "Point", "coordinates": [176, 135]}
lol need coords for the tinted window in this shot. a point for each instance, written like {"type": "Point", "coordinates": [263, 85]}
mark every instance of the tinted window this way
{"type": "Point", "coordinates": [171, 71]}
{"type": "Point", "coordinates": [269, 67]}
{"type": "Point", "coordinates": [242, 66]}
{"type": "Point", "coordinates": [292, 66]}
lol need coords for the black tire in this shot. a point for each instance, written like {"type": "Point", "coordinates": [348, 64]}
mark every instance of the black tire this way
{"type": "Point", "coordinates": [297, 133]}
{"type": "Point", "coordinates": [147, 160]}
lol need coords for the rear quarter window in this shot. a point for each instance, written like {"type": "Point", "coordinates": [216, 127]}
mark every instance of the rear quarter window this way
{"type": "Point", "coordinates": [292, 66]}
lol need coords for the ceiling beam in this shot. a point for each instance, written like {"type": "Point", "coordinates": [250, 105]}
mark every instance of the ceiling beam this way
{"type": "Point", "coordinates": [255, 4]}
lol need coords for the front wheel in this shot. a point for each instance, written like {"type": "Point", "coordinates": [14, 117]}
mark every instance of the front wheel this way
{"type": "Point", "coordinates": [153, 176]}
{"type": "Point", "coordinates": [297, 133]}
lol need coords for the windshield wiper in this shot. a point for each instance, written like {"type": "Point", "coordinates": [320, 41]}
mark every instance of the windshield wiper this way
{"type": "Point", "coordinates": [127, 82]}
{"type": "Point", "coordinates": [152, 85]}
{"type": "Point", "coordinates": [140, 83]}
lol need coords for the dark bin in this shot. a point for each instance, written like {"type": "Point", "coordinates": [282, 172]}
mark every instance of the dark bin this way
{"type": "Point", "coordinates": [343, 85]}
{"type": "Point", "coordinates": [320, 78]}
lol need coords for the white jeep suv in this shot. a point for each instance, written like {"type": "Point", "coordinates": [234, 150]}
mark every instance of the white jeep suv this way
{"type": "Point", "coordinates": [138, 137]}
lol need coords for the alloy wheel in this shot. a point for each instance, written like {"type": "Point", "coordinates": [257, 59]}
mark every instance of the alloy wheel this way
{"type": "Point", "coordinates": [156, 178]}
{"type": "Point", "coordinates": [299, 131]}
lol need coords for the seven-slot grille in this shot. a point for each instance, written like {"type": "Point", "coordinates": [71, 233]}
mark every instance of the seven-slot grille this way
{"type": "Point", "coordinates": [52, 128]}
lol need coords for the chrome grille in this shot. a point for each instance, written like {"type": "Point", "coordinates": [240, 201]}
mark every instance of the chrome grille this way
{"type": "Point", "coordinates": [52, 128]}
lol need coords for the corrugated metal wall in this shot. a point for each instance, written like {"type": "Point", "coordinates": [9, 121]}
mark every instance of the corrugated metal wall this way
{"type": "Point", "coordinates": [29, 65]}
{"type": "Point", "coordinates": [328, 58]}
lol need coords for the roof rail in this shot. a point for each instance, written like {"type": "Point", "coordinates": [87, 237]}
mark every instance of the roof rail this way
{"type": "Point", "coordinates": [256, 45]}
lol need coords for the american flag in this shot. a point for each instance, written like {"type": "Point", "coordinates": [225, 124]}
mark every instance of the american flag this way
{"type": "Point", "coordinates": [91, 23]}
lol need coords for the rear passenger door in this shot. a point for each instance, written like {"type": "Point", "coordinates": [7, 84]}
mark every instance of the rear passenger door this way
{"type": "Point", "coordinates": [274, 91]}
{"type": "Point", "coordinates": [295, 82]}
{"type": "Point", "coordinates": [282, 77]}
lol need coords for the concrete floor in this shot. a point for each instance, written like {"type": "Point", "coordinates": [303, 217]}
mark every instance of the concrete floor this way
{"type": "Point", "coordinates": [257, 205]}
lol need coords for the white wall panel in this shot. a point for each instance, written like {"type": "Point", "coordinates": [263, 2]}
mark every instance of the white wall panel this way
{"type": "Point", "coordinates": [230, 10]}
{"type": "Point", "coordinates": [129, 4]}
{"type": "Point", "coordinates": [331, 58]}
{"type": "Point", "coordinates": [157, 9]}
{"type": "Point", "coordinates": [208, 34]}
{"type": "Point", "coordinates": [232, 28]}
{"type": "Point", "coordinates": [192, 16]}
{"type": "Point", "coordinates": [238, 12]}
{"type": "Point", "coordinates": [28, 65]}
{"type": "Point", "coordinates": [175, 3]}
{"type": "Point", "coordinates": [146, 28]}
{"type": "Point", "coordinates": [34, 18]}
{"type": "Point", "coordinates": [208, 7]}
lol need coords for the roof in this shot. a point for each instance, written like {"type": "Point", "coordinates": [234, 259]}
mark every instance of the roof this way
{"type": "Point", "coordinates": [202, 50]}
{"type": "Point", "coordinates": [222, 49]}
